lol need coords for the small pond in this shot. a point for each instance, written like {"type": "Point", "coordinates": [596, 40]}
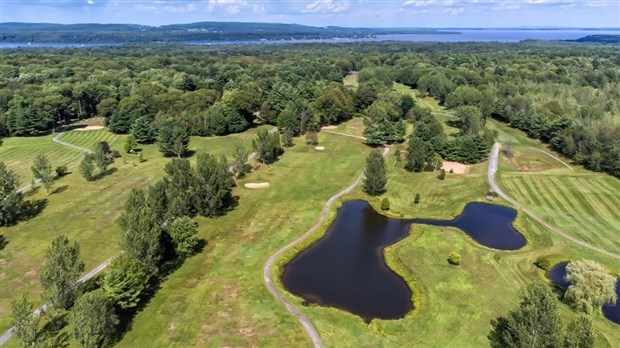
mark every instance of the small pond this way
{"type": "Point", "coordinates": [346, 268]}
{"type": "Point", "coordinates": [611, 312]}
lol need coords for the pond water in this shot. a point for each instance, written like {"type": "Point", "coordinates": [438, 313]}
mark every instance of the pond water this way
{"type": "Point", "coordinates": [611, 312]}
{"type": "Point", "coordinates": [346, 268]}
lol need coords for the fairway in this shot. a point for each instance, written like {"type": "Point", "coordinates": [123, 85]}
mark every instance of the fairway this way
{"type": "Point", "coordinates": [87, 139]}
{"type": "Point", "coordinates": [19, 152]}
{"type": "Point", "coordinates": [85, 212]}
{"type": "Point", "coordinates": [585, 206]}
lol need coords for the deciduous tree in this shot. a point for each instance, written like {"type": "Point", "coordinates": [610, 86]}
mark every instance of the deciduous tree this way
{"type": "Point", "coordinates": [93, 320]}
{"type": "Point", "coordinates": [124, 281]}
{"type": "Point", "coordinates": [534, 323]}
{"type": "Point", "coordinates": [42, 170]}
{"type": "Point", "coordinates": [11, 201]}
{"type": "Point", "coordinates": [591, 286]}
{"type": "Point", "coordinates": [25, 325]}
{"type": "Point", "coordinates": [183, 232]}
{"type": "Point", "coordinates": [141, 232]}
{"type": "Point", "coordinates": [62, 269]}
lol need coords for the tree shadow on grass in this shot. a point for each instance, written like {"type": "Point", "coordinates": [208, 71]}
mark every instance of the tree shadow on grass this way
{"type": "Point", "coordinates": [32, 208]}
{"type": "Point", "coordinates": [60, 189]}
{"type": "Point", "coordinates": [3, 242]}
{"type": "Point", "coordinates": [33, 190]}
{"type": "Point", "coordinates": [105, 173]}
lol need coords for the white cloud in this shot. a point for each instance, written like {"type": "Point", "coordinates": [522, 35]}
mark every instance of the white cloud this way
{"type": "Point", "coordinates": [90, 2]}
{"type": "Point", "coordinates": [326, 6]}
{"type": "Point", "coordinates": [454, 10]}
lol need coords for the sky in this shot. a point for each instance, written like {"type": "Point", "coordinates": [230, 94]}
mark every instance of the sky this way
{"type": "Point", "coordinates": [350, 13]}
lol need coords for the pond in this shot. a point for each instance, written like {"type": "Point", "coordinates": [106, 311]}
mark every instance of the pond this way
{"type": "Point", "coordinates": [611, 312]}
{"type": "Point", "coordinates": [346, 268]}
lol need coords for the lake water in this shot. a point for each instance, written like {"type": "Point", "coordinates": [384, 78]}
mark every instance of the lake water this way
{"type": "Point", "coordinates": [611, 312]}
{"type": "Point", "coordinates": [346, 268]}
{"type": "Point", "coordinates": [464, 35]}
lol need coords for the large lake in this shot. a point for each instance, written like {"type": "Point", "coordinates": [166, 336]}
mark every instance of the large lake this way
{"type": "Point", "coordinates": [467, 35]}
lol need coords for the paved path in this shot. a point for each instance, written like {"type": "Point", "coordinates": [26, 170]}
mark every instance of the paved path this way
{"type": "Point", "coordinates": [552, 156]}
{"type": "Point", "coordinates": [305, 322]}
{"type": "Point", "coordinates": [55, 139]}
{"type": "Point", "coordinates": [9, 333]}
{"type": "Point", "coordinates": [493, 163]}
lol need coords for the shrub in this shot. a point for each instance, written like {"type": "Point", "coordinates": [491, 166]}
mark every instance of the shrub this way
{"type": "Point", "coordinates": [416, 200]}
{"type": "Point", "coordinates": [312, 138]}
{"type": "Point", "coordinates": [454, 259]}
{"type": "Point", "coordinates": [442, 174]}
{"type": "Point", "coordinates": [542, 263]}
{"type": "Point", "coordinates": [61, 171]}
{"type": "Point", "coordinates": [451, 171]}
{"type": "Point", "coordinates": [385, 204]}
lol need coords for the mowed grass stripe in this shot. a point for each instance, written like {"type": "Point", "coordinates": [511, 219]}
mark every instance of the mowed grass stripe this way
{"type": "Point", "coordinates": [87, 139]}
{"type": "Point", "coordinates": [551, 189]}
{"type": "Point", "coordinates": [611, 185]}
{"type": "Point", "coordinates": [592, 202]}
{"type": "Point", "coordinates": [603, 198]}
{"type": "Point", "coordinates": [521, 190]}
{"type": "Point", "coordinates": [19, 153]}
{"type": "Point", "coordinates": [591, 228]}
{"type": "Point", "coordinates": [547, 202]}
{"type": "Point", "coordinates": [560, 197]}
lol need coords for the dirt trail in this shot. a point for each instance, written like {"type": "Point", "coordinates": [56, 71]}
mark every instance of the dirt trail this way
{"type": "Point", "coordinates": [305, 322]}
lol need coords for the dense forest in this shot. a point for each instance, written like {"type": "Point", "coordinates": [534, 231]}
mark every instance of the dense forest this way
{"type": "Point", "coordinates": [566, 94]}
{"type": "Point", "coordinates": [200, 31]}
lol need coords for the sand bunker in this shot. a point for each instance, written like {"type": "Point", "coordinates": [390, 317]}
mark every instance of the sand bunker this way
{"type": "Point", "coordinates": [256, 185]}
{"type": "Point", "coordinates": [329, 127]}
{"type": "Point", "coordinates": [89, 128]}
{"type": "Point", "coordinates": [320, 148]}
{"type": "Point", "coordinates": [456, 167]}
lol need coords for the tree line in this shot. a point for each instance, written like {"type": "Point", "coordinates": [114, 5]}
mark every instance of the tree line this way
{"type": "Point", "coordinates": [562, 93]}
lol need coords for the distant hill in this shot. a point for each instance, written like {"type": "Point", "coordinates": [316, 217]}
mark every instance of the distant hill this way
{"type": "Point", "coordinates": [200, 31]}
{"type": "Point", "coordinates": [609, 39]}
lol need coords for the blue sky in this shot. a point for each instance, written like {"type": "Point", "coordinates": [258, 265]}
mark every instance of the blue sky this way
{"type": "Point", "coordinates": [356, 13]}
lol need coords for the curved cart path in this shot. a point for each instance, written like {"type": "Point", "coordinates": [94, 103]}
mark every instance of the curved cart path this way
{"type": "Point", "coordinates": [9, 333]}
{"type": "Point", "coordinates": [55, 139]}
{"type": "Point", "coordinates": [552, 156]}
{"type": "Point", "coordinates": [305, 322]}
{"type": "Point", "coordinates": [493, 163]}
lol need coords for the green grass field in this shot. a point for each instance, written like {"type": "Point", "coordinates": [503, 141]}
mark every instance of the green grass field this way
{"type": "Point", "coordinates": [217, 297]}
{"type": "Point", "coordinates": [19, 152]}
{"type": "Point", "coordinates": [84, 211]}
{"type": "Point", "coordinates": [351, 80]}
{"type": "Point", "coordinates": [87, 139]}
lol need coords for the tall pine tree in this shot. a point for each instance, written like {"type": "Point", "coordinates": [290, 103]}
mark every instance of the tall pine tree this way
{"type": "Point", "coordinates": [376, 178]}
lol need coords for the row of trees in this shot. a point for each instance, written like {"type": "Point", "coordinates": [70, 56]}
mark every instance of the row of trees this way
{"type": "Point", "coordinates": [158, 232]}
{"type": "Point", "coordinates": [561, 93]}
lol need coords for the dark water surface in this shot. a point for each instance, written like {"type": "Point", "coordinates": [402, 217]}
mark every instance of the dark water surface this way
{"type": "Point", "coordinates": [346, 268]}
{"type": "Point", "coordinates": [611, 312]}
